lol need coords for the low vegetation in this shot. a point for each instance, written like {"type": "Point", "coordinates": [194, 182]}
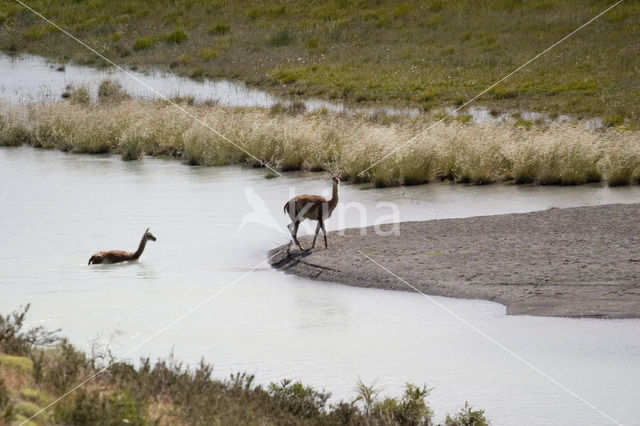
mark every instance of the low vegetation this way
{"type": "Point", "coordinates": [37, 366]}
{"type": "Point", "coordinates": [424, 53]}
{"type": "Point", "coordinates": [291, 138]}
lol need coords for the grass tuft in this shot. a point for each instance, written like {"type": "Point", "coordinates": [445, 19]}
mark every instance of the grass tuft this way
{"type": "Point", "coordinates": [144, 43]}
{"type": "Point", "coordinates": [177, 36]}
{"type": "Point", "coordinates": [219, 29]}
{"type": "Point", "coordinates": [281, 38]}
{"type": "Point", "coordinates": [111, 91]}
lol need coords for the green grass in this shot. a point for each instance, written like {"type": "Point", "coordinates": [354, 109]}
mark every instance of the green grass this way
{"type": "Point", "coordinates": [27, 409]}
{"type": "Point", "coordinates": [18, 363]}
{"type": "Point", "coordinates": [421, 53]}
{"type": "Point", "coordinates": [34, 395]}
{"type": "Point", "coordinates": [219, 29]}
{"type": "Point", "coordinates": [176, 36]}
{"type": "Point", "coordinates": [144, 43]}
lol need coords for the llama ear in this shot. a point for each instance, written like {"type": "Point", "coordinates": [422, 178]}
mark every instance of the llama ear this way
{"type": "Point", "coordinates": [146, 230]}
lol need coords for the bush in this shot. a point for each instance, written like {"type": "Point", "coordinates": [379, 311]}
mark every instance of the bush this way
{"type": "Point", "coordinates": [14, 341]}
{"type": "Point", "coordinates": [297, 399]}
{"type": "Point", "coordinates": [467, 416]}
{"type": "Point", "coordinates": [411, 410]}
{"type": "Point", "coordinates": [92, 408]}
{"type": "Point", "coordinates": [167, 392]}
{"type": "Point", "coordinates": [61, 367]}
{"type": "Point", "coordinates": [6, 410]}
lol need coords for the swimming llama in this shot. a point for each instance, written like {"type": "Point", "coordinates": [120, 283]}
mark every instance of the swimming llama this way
{"type": "Point", "coordinates": [116, 256]}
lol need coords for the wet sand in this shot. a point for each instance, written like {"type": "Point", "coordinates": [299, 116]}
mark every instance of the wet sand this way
{"type": "Point", "coordinates": [577, 262]}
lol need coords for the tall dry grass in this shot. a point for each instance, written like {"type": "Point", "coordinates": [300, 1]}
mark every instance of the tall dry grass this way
{"type": "Point", "coordinates": [566, 154]}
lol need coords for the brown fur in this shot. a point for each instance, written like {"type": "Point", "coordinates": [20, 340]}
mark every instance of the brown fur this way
{"type": "Point", "coordinates": [312, 207]}
{"type": "Point", "coordinates": [117, 256]}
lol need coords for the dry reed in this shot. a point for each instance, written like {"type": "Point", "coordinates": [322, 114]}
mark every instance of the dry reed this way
{"type": "Point", "coordinates": [564, 154]}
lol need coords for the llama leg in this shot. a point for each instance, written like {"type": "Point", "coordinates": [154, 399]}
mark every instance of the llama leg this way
{"type": "Point", "coordinates": [295, 233]}
{"type": "Point", "coordinates": [316, 236]}
{"type": "Point", "coordinates": [324, 231]}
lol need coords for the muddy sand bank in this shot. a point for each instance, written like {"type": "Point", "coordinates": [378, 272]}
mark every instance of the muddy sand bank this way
{"type": "Point", "coordinates": [577, 262]}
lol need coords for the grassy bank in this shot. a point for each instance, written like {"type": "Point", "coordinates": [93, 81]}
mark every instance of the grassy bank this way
{"type": "Point", "coordinates": [37, 366]}
{"type": "Point", "coordinates": [517, 151]}
{"type": "Point", "coordinates": [424, 53]}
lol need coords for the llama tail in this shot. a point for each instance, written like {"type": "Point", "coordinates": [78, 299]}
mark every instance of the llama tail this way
{"type": "Point", "coordinates": [90, 260]}
{"type": "Point", "coordinates": [286, 208]}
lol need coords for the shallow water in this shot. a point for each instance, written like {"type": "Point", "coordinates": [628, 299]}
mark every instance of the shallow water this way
{"type": "Point", "coordinates": [30, 79]}
{"type": "Point", "coordinates": [57, 209]}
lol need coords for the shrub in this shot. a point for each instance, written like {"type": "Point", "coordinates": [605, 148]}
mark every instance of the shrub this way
{"type": "Point", "coordinates": [367, 396]}
{"type": "Point", "coordinates": [6, 409]}
{"type": "Point", "coordinates": [14, 341]}
{"type": "Point", "coordinates": [300, 400]}
{"type": "Point", "coordinates": [167, 392]}
{"type": "Point", "coordinates": [90, 407]}
{"type": "Point", "coordinates": [61, 367]}
{"type": "Point", "coordinates": [411, 410]}
{"type": "Point", "coordinates": [467, 416]}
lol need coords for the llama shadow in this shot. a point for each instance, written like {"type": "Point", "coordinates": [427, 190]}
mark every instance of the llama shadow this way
{"type": "Point", "coordinates": [284, 257]}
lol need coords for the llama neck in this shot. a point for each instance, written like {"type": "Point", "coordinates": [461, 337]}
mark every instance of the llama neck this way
{"type": "Point", "coordinates": [333, 202]}
{"type": "Point", "coordinates": [138, 252]}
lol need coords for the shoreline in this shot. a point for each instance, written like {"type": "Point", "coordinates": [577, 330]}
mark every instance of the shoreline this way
{"type": "Point", "coordinates": [574, 262]}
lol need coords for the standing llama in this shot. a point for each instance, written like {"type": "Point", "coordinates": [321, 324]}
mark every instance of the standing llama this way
{"type": "Point", "coordinates": [312, 207]}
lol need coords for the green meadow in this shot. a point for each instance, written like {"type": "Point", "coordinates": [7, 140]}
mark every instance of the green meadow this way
{"type": "Point", "coordinates": [426, 54]}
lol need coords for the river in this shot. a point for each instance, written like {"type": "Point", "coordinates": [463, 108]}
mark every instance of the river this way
{"type": "Point", "coordinates": [56, 209]}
